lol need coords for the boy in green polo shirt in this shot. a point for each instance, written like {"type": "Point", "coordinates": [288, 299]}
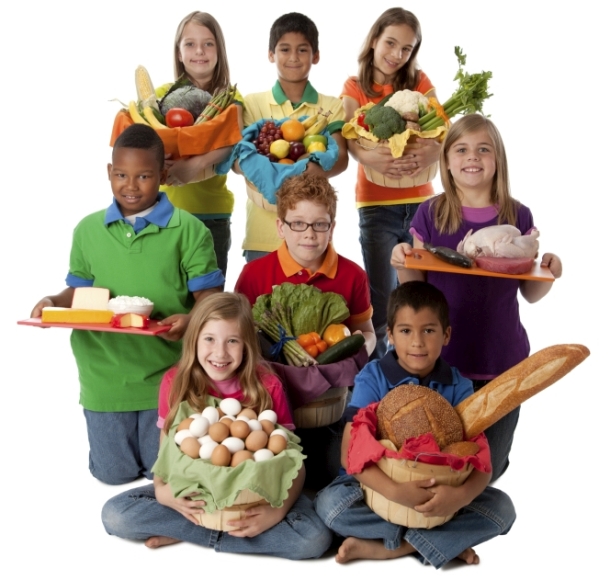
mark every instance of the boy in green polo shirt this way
{"type": "Point", "coordinates": [140, 246]}
{"type": "Point", "coordinates": [293, 48]}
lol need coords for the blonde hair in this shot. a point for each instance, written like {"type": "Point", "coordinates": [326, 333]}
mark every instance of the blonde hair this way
{"type": "Point", "coordinates": [447, 207]}
{"type": "Point", "coordinates": [408, 75]}
{"type": "Point", "coordinates": [220, 79]}
{"type": "Point", "coordinates": [191, 382]}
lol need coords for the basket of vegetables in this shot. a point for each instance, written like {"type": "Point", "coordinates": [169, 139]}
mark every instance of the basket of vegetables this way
{"type": "Point", "coordinates": [312, 351]}
{"type": "Point", "coordinates": [272, 150]}
{"type": "Point", "coordinates": [189, 120]}
{"type": "Point", "coordinates": [402, 117]}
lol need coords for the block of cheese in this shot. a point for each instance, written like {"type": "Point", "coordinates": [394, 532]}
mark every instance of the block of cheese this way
{"type": "Point", "coordinates": [130, 319]}
{"type": "Point", "coordinates": [90, 298]}
{"type": "Point", "coordinates": [76, 315]}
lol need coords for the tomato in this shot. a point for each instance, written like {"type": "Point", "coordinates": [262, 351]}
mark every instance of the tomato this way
{"type": "Point", "coordinates": [321, 345]}
{"type": "Point", "coordinates": [178, 117]}
{"type": "Point", "coordinates": [305, 340]}
{"type": "Point", "coordinates": [312, 350]}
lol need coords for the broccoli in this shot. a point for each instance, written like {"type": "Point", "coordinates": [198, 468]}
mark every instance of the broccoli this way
{"type": "Point", "coordinates": [384, 122]}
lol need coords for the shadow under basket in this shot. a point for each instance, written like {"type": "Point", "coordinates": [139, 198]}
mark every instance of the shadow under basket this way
{"type": "Point", "coordinates": [403, 470]}
{"type": "Point", "coordinates": [324, 410]}
{"type": "Point", "coordinates": [218, 520]}
{"type": "Point", "coordinates": [257, 197]}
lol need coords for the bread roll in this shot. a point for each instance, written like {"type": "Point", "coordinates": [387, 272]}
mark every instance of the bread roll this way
{"type": "Point", "coordinates": [510, 389]}
{"type": "Point", "coordinates": [411, 410]}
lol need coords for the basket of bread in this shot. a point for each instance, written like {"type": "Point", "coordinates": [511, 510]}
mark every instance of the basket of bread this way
{"type": "Point", "coordinates": [413, 433]}
{"type": "Point", "coordinates": [230, 457]}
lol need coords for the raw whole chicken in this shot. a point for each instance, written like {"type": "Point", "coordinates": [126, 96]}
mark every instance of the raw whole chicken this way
{"type": "Point", "coordinates": [502, 241]}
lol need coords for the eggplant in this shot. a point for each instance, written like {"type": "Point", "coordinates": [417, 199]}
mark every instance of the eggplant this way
{"type": "Point", "coordinates": [450, 256]}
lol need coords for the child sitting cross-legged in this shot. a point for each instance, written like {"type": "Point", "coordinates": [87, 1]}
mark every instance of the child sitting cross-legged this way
{"type": "Point", "coordinates": [418, 328]}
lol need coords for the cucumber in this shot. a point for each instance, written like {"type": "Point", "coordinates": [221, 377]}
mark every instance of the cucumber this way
{"type": "Point", "coordinates": [343, 349]}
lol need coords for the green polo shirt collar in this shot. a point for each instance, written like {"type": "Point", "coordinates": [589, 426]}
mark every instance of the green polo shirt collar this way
{"type": "Point", "coordinates": [310, 95]}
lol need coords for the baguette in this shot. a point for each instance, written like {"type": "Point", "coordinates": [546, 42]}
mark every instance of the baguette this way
{"type": "Point", "coordinates": [510, 389]}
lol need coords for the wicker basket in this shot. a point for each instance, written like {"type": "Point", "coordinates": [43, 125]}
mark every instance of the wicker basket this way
{"type": "Point", "coordinates": [380, 179]}
{"type": "Point", "coordinates": [257, 197]}
{"type": "Point", "coordinates": [402, 470]}
{"type": "Point", "coordinates": [324, 410]}
{"type": "Point", "coordinates": [218, 520]}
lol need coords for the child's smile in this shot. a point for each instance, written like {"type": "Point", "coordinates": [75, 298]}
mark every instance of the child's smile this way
{"type": "Point", "coordinates": [220, 348]}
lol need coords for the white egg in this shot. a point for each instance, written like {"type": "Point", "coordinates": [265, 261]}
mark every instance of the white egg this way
{"type": "Point", "coordinates": [243, 418]}
{"type": "Point", "coordinates": [182, 435]}
{"type": "Point", "coordinates": [268, 415]}
{"type": "Point", "coordinates": [279, 432]}
{"type": "Point", "coordinates": [230, 406]}
{"type": "Point", "coordinates": [263, 454]}
{"type": "Point", "coordinates": [255, 425]}
{"type": "Point", "coordinates": [204, 439]}
{"type": "Point", "coordinates": [232, 417]}
{"type": "Point", "coordinates": [233, 444]}
{"type": "Point", "coordinates": [199, 427]}
{"type": "Point", "coordinates": [211, 414]}
{"type": "Point", "coordinates": [205, 451]}
{"type": "Point", "coordinates": [195, 416]}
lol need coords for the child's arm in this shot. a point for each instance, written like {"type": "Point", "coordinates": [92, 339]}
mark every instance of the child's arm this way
{"type": "Point", "coordinates": [397, 261]}
{"type": "Point", "coordinates": [367, 330]}
{"type": "Point", "coordinates": [61, 300]}
{"type": "Point", "coordinates": [190, 169]}
{"type": "Point", "coordinates": [262, 518]}
{"type": "Point", "coordinates": [340, 164]}
{"type": "Point", "coordinates": [179, 322]}
{"type": "Point", "coordinates": [533, 290]}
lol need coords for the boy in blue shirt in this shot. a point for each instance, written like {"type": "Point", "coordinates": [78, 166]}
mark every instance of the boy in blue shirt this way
{"type": "Point", "coordinates": [140, 246]}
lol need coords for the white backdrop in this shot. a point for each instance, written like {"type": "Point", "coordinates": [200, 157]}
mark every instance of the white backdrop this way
{"type": "Point", "coordinates": [61, 68]}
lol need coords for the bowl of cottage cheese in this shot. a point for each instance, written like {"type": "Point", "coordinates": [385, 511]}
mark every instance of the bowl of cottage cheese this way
{"type": "Point", "coordinates": [131, 305]}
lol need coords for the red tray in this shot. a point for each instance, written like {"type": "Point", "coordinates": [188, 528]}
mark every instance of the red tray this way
{"type": "Point", "coordinates": [153, 329]}
{"type": "Point", "coordinates": [424, 260]}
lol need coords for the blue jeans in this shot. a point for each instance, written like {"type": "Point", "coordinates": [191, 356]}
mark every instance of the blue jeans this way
{"type": "Point", "coordinates": [341, 508]}
{"type": "Point", "coordinates": [122, 446]}
{"type": "Point", "coordinates": [382, 228]}
{"type": "Point", "coordinates": [136, 515]}
{"type": "Point", "coordinates": [251, 255]}
{"type": "Point", "coordinates": [221, 237]}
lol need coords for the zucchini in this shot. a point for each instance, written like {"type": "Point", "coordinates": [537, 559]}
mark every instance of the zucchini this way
{"type": "Point", "coordinates": [343, 349]}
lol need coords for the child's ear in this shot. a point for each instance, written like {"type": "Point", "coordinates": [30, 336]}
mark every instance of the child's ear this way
{"type": "Point", "coordinates": [109, 169]}
{"type": "Point", "coordinates": [446, 335]}
{"type": "Point", "coordinates": [271, 56]}
{"type": "Point", "coordinates": [316, 58]}
{"type": "Point", "coordinates": [280, 228]}
{"type": "Point", "coordinates": [389, 336]}
{"type": "Point", "coordinates": [163, 176]}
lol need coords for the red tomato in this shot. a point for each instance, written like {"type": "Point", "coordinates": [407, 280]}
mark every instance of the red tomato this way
{"type": "Point", "coordinates": [178, 117]}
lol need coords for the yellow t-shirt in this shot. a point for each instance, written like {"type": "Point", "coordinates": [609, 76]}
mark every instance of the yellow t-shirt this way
{"type": "Point", "coordinates": [261, 234]}
{"type": "Point", "coordinates": [208, 199]}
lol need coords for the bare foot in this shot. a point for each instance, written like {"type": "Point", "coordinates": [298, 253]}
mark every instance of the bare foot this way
{"type": "Point", "coordinates": [160, 541]}
{"type": "Point", "coordinates": [357, 549]}
{"type": "Point", "coordinates": [469, 556]}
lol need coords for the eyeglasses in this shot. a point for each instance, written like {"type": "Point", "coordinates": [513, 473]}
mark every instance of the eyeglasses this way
{"type": "Point", "coordinates": [303, 226]}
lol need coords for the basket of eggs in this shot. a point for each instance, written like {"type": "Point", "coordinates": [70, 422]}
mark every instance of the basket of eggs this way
{"type": "Point", "coordinates": [230, 457]}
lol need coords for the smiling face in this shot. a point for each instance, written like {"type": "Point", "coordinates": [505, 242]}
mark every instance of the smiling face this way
{"type": "Point", "coordinates": [306, 248]}
{"type": "Point", "coordinates": [220, 348]}
{"type": "Point", "coordinates": [472, 162]}
{"type": "Point", "coordinates": [391, 51]}
{"type": "Point", "coordinates": [418, 338]}
{"type": "Point", "coordinates": [293, 57]}
{"type": "Point", "coordinates": [135, 176]}
{"type": "Point", "coordinates": [197, 51]}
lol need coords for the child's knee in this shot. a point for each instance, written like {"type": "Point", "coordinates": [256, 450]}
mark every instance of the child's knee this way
{"type": "Point", "coordinates": [314, 538]}
{"type": "Point", "coordinates": [114, 476]}
{"type": "Point", "coordinates": [339, 495]}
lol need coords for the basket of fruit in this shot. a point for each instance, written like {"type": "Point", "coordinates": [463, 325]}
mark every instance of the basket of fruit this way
{"type": "Point", "coordinates": [189, 120]}
{"type": "Point", "coordinates": [274, 150]}
{"type": "Point", "coordinates": [230, 458]}
{"type": "Point", "coordinates": [312, 351]}
{"type": "Point", "coordinates": [403, 117]}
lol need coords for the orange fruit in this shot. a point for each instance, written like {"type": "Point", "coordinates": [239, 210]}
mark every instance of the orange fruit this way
{"type": "Point", "coordinates": [286, 161]}
{"type": "Point", "coordinates": [292, 130]}
{"type": "Point", "coordinates": [335, 333]}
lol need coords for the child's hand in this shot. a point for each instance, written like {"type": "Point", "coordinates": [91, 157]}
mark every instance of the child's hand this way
{"type": "Point", "coordinates": [37, 310]}
{"type": "Point", "coordinates": [185, 506]}
{"type": "Point", "coordinates": [413, 493]}
{"type": "Point", "coordinates": [446, 501]}
{"type": "Point", "coordinates": [257, 519]}
{"type": "Point", "coordinates": [423, 156]}
{"type": "Point", "coordinates": [179, 323]}
{"type": "Point", "coordinates": [552, 262]}
{"type": "Point", "coordinates": [397, 257]}
{"type": "Point", "coordinates": [181, 171]}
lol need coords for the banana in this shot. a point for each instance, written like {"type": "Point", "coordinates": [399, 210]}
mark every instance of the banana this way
{"type": "Point", "coordinates": [318, 126]}
{"type": "Point", "coordinates": [307, 123]}
{"type": "Point", "coordinates": [135, 114]}
{"type": "Point", "coordinates": [149, 115]}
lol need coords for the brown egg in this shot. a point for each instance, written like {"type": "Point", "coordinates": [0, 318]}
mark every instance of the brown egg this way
{"type": "Point", "coordinates": [227, 420]}
{"type": "Point", "coordinates": [248, 413]}
{"type": "Point", "coordinates": [268, 426]}
{"type": "Point", "coordinates": [190, 446]}
{"type": "Point", "coordinates": [184, 424]}
{"type": "Point", "coordinates": [276, 444]}
{"type": "Point", "coordinates": [239, 429]}
{"type": "Point", "coordinates": [221, 412]}
{"type": "Point", "coordinates": [218, 432]}
{"type": "Point", "coordinates": [256, 440]}
{"type": "Point", "coordinates": [240, 456]}
{"type": "Point", "coordinates": [221, 456]}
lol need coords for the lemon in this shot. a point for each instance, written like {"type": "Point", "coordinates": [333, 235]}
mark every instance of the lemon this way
{"type": "Point", "coordinates": [315, 146]}
{"type": "Point", "coordinates": [314, 138]}
{"type": "Point", "coordinates": [280, 148]}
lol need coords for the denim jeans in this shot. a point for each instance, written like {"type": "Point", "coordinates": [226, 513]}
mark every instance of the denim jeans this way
{"type": "Point", "coordinates": [136, 515]}
{"type": "Point", "coordinates": [341, 508]}
{"type": "Point", "coordinates": [382, 228]}
{"type": "Point", "coordinates": [221, 237]}
{"type": "Point", "coordinates": [122, 446]}
{"type": "Point", "coordinates": [251, 255]}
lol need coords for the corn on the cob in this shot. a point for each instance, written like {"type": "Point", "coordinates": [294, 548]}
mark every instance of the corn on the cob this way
{"type": "Point", "coordinates": [145, 89]}
{"type": "Point", "coordinates": [135, 114]}
{"type": "Point", "coordinates": [149, 115]}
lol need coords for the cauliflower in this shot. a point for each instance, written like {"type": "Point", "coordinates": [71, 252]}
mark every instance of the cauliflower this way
{"type": "Point", "coordinates": [406, 102]}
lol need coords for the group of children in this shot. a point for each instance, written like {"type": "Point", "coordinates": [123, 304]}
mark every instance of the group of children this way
{"type": "Point", "coordinates": [169, 243]}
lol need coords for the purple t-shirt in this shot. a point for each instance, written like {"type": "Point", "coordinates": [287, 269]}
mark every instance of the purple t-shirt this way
{"type": "Point", "coordinates": [487, 335]}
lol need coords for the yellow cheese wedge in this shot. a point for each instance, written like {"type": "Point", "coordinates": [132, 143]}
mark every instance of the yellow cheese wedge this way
{"type": "Point", "coordinates": [76, 315]}
{"type": "Point", "coordinates": [130, 319]}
